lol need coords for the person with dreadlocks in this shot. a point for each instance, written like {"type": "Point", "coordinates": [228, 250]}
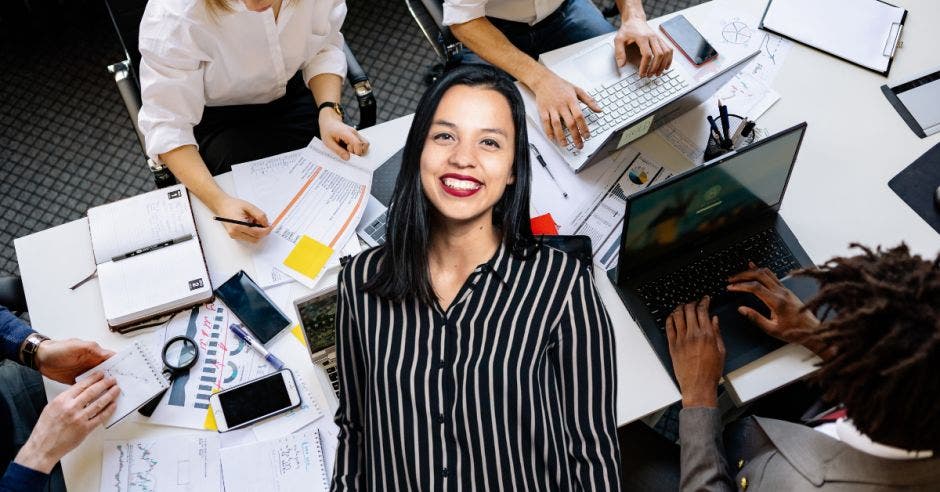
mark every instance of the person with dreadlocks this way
{"type": "Point", "coordinates": [879, 345]}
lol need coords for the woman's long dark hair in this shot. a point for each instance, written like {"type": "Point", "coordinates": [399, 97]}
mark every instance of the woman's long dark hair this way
{"type": "Point", "coordinates": [403, 268]}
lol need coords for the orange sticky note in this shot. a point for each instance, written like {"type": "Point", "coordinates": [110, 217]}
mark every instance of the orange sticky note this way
{"type": "Point", "coordinates": [543, 225]}
{"type": "Point", "coordinates": [308, 256]}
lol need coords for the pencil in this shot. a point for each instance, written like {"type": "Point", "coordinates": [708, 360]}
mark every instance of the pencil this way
{"type": "Point", "coordinates": [239, 222]}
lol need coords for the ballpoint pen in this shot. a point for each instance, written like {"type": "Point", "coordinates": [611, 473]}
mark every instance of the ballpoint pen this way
{"type": "Point", "coordinates": [239, 222]}
{"type": "Point", "coordinates": [715, 133]}
{"type": "Point", "coordinates": [739, 132]}
{"type": "Point", "coordinates": [538, 156]}
{"type": "Point", "coordinates": [725, 124]}
{"type": "Point", "coordinates": [152, 247]}
{"type": "Point", "coordinates": [268, 356]}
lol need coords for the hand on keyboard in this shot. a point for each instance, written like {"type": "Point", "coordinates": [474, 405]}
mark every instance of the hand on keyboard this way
{"type": "Point", "coordinates": [788, 320]}
{"type": "Point", "coordinates": [655, 54]}
{"type": "Point", "coordinates": [559, 109]}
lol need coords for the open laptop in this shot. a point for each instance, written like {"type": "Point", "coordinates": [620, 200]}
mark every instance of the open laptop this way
{"type": "Point", "coordinates": [632, 106]}
{"type": "Point", "coordinates": [317, 315]}
{"type": "Point", "coordinates": [375, 217]}
{"type": "Point", "coordinates": [684, 237]}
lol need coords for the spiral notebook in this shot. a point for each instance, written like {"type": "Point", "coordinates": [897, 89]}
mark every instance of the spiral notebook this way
{"type": "Point", "coordinates": [293, 462]}
{"type": "Point", "coordinates": [138, 374]}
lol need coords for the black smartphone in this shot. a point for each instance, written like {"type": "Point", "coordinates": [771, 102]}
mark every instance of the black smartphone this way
{"type": "Point", "coordinates": [250, 304]}
{"type": "Point", "coordinates": [689, 41]}
{"type": "Point", "coordinates": [255, 400]}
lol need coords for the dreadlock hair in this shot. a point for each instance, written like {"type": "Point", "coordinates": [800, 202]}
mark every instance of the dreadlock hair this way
{"type": "Point", "coordinates": [885, 341]}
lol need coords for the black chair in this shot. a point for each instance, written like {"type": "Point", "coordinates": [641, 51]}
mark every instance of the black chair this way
{"type": "Point", "coordinates": [12, 296]}
{"type": "Point", "coordinates": [577, 246]}
{"type": "Point", "coordinates": [126, 15]}
{"type": "Point", "coordinates": [429, 14]}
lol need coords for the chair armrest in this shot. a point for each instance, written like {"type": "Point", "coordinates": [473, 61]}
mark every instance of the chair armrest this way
{"type": "Point", "coordinates": [130, 95]}
{"type": "Point", "coordinates": [429, 15]}
{"type": "Point", "coordinates": [363, 87]}
{"type": "Point", "coordinates": [12, 296]}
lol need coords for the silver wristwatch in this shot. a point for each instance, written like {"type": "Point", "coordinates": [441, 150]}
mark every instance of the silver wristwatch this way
{"type": "Point", "coordinates": [30, 348]}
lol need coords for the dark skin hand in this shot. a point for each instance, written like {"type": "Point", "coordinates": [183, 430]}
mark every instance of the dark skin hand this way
{"type": "Point", "coordinates": [697, 352]}
{"type": "Point", "coordinates": [788, 320]}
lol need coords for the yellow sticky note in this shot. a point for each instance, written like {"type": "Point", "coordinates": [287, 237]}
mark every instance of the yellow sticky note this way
{"type": "Point", "coordinates": [210, 424]}
{"type": "Point", "coordinates": [308, 256]}
{"type": "Point", "coordinates": [298, 332]}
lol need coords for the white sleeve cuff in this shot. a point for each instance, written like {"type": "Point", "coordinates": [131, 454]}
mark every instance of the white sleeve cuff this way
{"type": "Point", "coordinates": [457, 12]}
{"type": "Point", "coordinates": [329, 60]}
{"type": "Point", "coordinates": [164, 138]}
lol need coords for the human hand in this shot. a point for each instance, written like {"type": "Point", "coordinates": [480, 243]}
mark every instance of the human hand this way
{"type": "Point", "coordinates": [340, 137]}
{"type": "Point", "coordinates": [788, 320]}
{"type": "Point", "coordinates": [234, 208]}
{"type": "Point", "coordinates": [62, 360]}
{"type": "Point", "coordinates": [559, 108]}
{"type": "Point", "coordinates": [67, 420]}
{"type": "Point", "coordinates": [697, 352]}
{"type": "Point", "coordinates": [655, 54]}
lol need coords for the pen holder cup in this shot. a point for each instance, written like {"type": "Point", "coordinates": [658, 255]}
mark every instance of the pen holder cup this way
{"type": "Point", "coordinates": [714, 149]}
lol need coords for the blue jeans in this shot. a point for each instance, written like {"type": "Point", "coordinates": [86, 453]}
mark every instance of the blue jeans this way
{"type": "Point", "coordinates": [572, 22]}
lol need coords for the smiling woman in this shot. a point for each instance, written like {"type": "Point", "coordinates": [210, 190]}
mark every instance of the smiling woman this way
{"type": "Point", "coordinates": [468, 352]}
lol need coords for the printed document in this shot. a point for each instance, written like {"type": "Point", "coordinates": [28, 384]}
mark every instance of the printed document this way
{"type": "Point", "coordinates": [183, 463]}
{"type": "Point", "coordinates": [293, 462]}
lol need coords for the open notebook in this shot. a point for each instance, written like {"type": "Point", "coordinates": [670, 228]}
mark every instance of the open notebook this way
{"type": "Point", "coordinates": [148, 256]}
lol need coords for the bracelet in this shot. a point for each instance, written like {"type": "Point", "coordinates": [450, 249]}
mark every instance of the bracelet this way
{"type": "Point", "coordinates": [30, 348]}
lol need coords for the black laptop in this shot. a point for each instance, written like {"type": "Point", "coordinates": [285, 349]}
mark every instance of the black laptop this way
{"type": "Point", "coordinates": [684, 237]}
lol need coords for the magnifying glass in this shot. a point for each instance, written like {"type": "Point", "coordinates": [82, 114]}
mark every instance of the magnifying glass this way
{"type": "Point", "coordinates": [179, 354]}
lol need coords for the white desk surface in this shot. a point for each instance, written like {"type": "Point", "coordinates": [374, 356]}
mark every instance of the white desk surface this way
{"type": "Point", "coordinates": [838, 194]}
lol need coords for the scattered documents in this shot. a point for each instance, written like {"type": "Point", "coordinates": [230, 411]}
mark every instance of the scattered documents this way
{"type": "Point", "coordinates": [225, 361]}
{"type": "Point", "coordinates": [308, 192]}
{"type": "Point", "coordinates": [293, 462]}
{"type": "Point", "coordinates": [139, 375]}
{"type": "Point", "coordinates": [179, 463]}
{"type": "Point", "coordinates": [135, 240]}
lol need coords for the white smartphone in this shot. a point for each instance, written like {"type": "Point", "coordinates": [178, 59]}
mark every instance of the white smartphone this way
{"type": "Point", "coordinates": [255, 400]}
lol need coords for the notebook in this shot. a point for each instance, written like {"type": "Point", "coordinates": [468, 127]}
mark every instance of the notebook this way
{"type": "Point", "coordinates": [293, 462]}
{"type": "Point", "coordinates": [139, 375]}
{"type": "Point", "coordinates": [148, 256]}
{"type": "Point", "coordinates": [863, 32]}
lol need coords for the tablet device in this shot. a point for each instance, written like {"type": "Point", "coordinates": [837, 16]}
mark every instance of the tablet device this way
{"type": "Point", "coordinates": [918, 102]}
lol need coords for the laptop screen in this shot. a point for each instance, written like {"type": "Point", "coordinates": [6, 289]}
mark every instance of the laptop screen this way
{"type": "Point", "coordinates": [318, 320]}
{"type": "Point", "coordinates": [698, 203]}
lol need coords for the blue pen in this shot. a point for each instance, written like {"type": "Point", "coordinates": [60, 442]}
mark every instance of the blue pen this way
{"type": "Point", "coordinates": [268, 356]}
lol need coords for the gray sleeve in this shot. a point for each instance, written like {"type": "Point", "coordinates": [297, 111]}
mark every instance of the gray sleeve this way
{"type": "Point", "coordinates": [702, 455]}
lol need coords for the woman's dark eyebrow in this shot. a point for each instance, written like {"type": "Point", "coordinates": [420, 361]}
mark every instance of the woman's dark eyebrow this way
{"type": "Point", "coordinates": [448, 124]}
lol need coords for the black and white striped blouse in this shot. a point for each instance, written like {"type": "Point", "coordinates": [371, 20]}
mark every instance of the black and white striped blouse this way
{"type": "Point", "coordinates": [512, 388]}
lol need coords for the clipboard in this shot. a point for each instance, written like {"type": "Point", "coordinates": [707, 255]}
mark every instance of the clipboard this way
{"type": "Point", "coordinates": [824, 37]}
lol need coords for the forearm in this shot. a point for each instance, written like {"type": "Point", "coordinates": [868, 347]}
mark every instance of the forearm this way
{"type": "Point", "coordinates": [13, 333]}
{"type": "Point", "coordinates": [702, 456]}
{"type": "Point", "coordinates": [189, 168]}
{"type": "Point", "coordinates": [631, 9]}
{"type": "Point", "coordinates": [481, 36]}
{"type": "Point", "coordinates": [326, 87]}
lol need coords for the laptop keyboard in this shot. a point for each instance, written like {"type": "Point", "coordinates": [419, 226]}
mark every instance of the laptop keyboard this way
{"type": "Point", "coordinates": [376, 228]}
{"type": "Point", "coordinates": [627, 98]}
{"type": "Point", "coordinates": [329, 365]}
{"type": "Point", "coordinates": [708, 275]}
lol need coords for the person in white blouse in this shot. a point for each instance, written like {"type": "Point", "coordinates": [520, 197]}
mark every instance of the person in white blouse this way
{"type": "Point", "coordinates": [229, 81]}
{"type": "Point", "coordinates": [511, 34]}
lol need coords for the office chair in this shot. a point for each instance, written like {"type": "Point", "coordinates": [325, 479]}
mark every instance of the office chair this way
{"type": "Point", "coordinates": [12, 296]}
{"type": "Point", "coordinates": [126, 15]}
{"type": "Point", "coordinates": [429, 14]}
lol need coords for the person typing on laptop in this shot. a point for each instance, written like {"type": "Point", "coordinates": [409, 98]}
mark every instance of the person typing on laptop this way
{"type": "Point", "coordinates": [511, 34]}
{"type": "Point", "coordinates": [879, 353]}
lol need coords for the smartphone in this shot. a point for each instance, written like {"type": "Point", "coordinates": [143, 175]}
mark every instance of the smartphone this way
{"type": "Point", "coordinates": [689, 41]}
{"type": "Point", "coordinates": [255, 400]}
{"type": "Point", "coordinates": [253, 307]}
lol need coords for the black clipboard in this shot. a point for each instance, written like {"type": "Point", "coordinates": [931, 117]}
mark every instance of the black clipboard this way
{"type": "Point", "coordinates": [890, 60]}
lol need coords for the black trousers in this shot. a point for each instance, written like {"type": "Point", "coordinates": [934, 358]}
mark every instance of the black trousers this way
{"type": "Point", "coordinates": [233, 134]}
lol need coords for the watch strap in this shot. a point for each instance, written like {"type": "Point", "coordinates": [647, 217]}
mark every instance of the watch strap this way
{"type": "Point", "coordinates": [30, 348]}
{"type": "Point", "coordinates": [337, 107]}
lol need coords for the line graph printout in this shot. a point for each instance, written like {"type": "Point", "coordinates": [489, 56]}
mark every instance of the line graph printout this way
{"type": "Point", "coordinates": [138, 375]}
{"type": "Point", "coordinates": [189, 462]}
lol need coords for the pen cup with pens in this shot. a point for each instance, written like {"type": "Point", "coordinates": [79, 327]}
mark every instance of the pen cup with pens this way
{"type": "Point", "coordinates": [727, 132]}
